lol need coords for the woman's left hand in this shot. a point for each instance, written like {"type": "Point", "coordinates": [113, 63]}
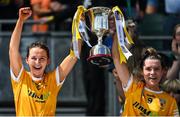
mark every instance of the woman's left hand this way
{"type": "Point", "coordinates": [24, 13]}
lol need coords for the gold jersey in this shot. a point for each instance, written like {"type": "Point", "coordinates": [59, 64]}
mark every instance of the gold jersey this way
{"type": "Point", "coordinates": [141, 101]}
{"type": "Point", "coordinates": [35, 99]}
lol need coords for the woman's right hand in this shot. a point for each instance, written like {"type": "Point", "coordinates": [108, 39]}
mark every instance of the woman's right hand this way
{"type": "Point", "coordinates": [24, 13]}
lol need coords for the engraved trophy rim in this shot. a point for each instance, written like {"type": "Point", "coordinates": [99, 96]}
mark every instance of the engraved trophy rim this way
{"type": "Point", "coordinates": [100, 7]}
{"type": "Point", "coordinates": [95, 27]}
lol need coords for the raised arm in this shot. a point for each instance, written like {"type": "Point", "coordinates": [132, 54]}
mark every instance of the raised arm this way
{"type": "Point", "coordinates": [14, 54]}
{"type": "Point", "coordinates": [173, 72]}
{"type": "Point", "coordinates": [119, 86]}
{"type": "Point", "coordinates": [68, 63]}
{"type": "Point", "coordinates": [122, 69]}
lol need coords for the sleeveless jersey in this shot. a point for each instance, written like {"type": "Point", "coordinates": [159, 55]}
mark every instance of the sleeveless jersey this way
{"type": "Point", "coordinates": [141, 101]}
{"type": "Point", "coordinates": [32, 99]}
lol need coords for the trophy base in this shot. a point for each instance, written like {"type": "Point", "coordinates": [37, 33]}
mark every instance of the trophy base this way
{"type": "Point", "coordinates": [101, 60]}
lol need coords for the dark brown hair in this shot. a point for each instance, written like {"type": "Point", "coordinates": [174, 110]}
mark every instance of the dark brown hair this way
{"type": "Point", "coordinates": [38, 44]}
{"type": "Point", "coordinates": [152, 54]}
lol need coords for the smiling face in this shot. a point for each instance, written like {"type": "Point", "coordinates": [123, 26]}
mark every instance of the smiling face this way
{"type": "Point", "coordinates": [152, 71]}
{"type": "Point", "coordinates": [37, 61]}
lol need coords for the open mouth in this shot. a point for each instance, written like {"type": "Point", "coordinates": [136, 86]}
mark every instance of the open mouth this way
{"type": "Point", "coordinates": [37, 67]}
{"type": "Point", "coordinates": [152, 78]}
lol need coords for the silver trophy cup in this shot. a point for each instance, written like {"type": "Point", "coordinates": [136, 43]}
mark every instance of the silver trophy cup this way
{"type": "Point", "coordinates": [99, 54]}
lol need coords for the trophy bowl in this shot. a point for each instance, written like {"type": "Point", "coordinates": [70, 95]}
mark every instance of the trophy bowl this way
{"type": "Point", "coordinates": [98, 18]}
{"type": "Point", "coordinates": [100, 55]}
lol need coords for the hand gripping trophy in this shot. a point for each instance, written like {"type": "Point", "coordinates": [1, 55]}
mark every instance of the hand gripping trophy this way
{"type": "Point", "coordinates": [98, 23]}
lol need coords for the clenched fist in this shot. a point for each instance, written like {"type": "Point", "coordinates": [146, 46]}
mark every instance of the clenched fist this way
{"type": "Point", "coordinates": [24, 13]}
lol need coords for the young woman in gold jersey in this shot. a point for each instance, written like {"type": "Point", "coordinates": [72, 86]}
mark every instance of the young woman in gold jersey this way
{"type": "Point", "coordinates": [144, 98]}
{"type": "Point", "coordinates": [35, 92]}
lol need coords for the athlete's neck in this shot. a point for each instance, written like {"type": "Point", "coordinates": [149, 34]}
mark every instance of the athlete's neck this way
{"type": "Point", "coordinates": [36, 78]}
